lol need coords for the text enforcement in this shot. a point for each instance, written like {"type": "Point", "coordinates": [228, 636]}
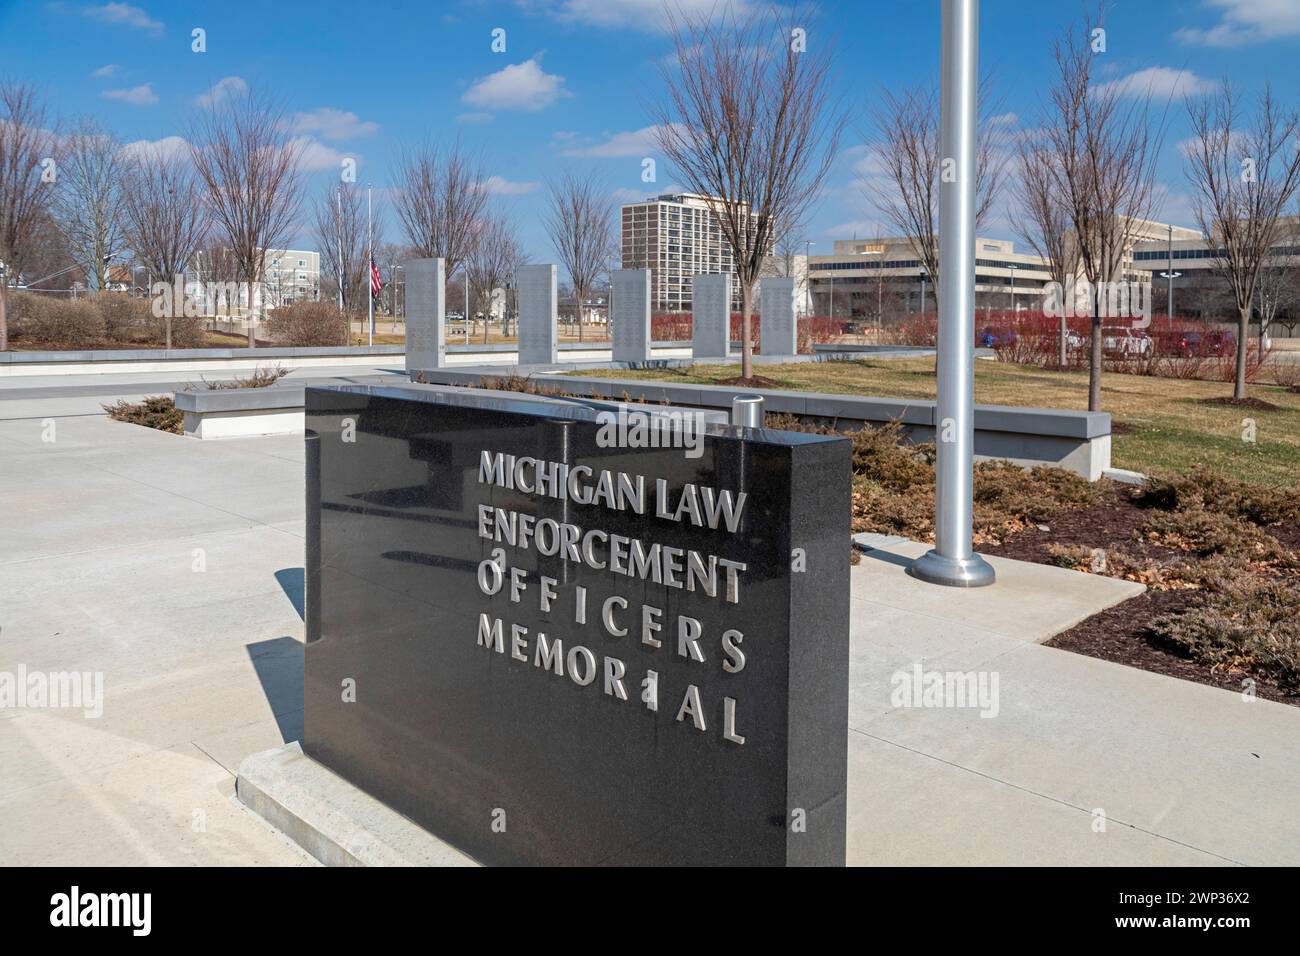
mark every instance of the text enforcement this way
{"type": "Point", "coordinates": [683, 568]}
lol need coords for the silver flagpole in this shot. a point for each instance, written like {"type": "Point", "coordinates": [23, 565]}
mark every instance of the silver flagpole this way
{"type": "Point", "coordinates": [338, 235]}
{"type": "Point", "coordinates": [370, 258]}
{"type": "Point", "coordinates": [951, 561]}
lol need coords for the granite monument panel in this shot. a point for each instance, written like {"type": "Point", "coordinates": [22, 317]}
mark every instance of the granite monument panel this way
{"type": "Point", "coordinates": [778, 331]}
{"type": "Point", "coordinates": [631, 319]}
{"type": "Point", "coordinates": [538, 317]}
{"type": "Point", "coordinates": [426, 314]}
{"type": "Point", "coordinates": [711, 316]}
{"type": "Point", "coordinates": [552, 635]}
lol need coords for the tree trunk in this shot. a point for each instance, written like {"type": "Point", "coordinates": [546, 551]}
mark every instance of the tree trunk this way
{"type": "Point", "coordinates": [1094, 358]}
{"type": "Point", "coordinates": [4, 318]}
{"type": "Point", "coordinates": [1243, 334]}
{"type": "Point", "coordinates": [746, 346]}
{"type": "Point", "coordinates": [1061, 357]}
{"type": "Point", "coordinates": [578, 296]}
{"type": "Point", "coordinates": [252, 341]}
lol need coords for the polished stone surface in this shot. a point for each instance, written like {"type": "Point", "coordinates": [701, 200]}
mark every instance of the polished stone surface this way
{"type": "Point", "coordinates": [514, 762]}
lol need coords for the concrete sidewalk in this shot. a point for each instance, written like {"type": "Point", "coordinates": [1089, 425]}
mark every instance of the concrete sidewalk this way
{"type": "Point", "coordinates": [174, 567]}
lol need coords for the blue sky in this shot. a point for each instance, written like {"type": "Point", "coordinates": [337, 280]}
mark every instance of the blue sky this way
{"type": "Point", "coordinates": [570, 90]}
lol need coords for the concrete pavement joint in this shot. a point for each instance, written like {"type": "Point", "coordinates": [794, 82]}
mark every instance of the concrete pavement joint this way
{"type": "Point", "coordinates": [1043, 796]}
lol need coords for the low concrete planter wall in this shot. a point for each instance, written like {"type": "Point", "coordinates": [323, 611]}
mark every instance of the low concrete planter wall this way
{"type": "Point", "coordinates": [242, 412]}
{"type": "Point", "coordinates": [1077, 441]}
{"type": "Point", "coordinates": [169, 360]}
{"type": "Point", "coordinates": [278, 409]}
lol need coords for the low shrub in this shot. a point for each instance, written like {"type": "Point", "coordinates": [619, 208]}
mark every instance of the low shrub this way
{"type": "Point", "coordinates": [48, 320]}
{"type": "Point", "coordinates": [1251, 624]}
{"type": "Point", "coordinates": [156, 411]}
{"type": "Point", "coordinates": [308, 323]}
{"type": "Point", "coordinates": [126, 320]}
{"type": "Point", "coordinates": [1204, 532]}
{"type": "Point", "coordinates": [261, 378]}
{"type": "Point", "coordinates": [1258, 504]}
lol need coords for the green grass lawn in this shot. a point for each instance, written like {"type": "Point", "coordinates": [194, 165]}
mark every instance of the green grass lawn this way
{"type": "Point", "coordinates": [1164, 424]}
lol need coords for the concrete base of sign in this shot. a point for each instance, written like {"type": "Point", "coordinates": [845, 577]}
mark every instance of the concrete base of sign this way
{"type": "Point", "coordinates": [331, 819]}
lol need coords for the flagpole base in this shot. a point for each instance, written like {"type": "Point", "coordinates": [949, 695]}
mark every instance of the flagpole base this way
{"type": "Point", "coordinates": [933, 568]}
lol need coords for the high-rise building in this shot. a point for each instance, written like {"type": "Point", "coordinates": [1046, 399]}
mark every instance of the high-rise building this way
{"type": "Point", "coordinates": [675, 236]}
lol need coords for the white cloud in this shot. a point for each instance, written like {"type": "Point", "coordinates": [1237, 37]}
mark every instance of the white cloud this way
{"type": "Point", "coordinates": [651, 16]}
{"type": "Point", "coordinates": [125, 14]}
{"type": "Point", "coordinates": [107, 70]}
{"type": "Point", "coordinates": [1246, 21]}
{"type": "Point", "coordinates": [640, 142]}
{"type": "Point", "coordinates": [221, 90]}
{"type": "Point", "coordinates": [1160, 82]}
{"type": "Point", "coordinates": [499, 186]}
{"type": "Point", "coordinates": [333, 124]}
{"type": "Point", "coordinates": [624, 196]}
{"type": "Point", "coordinates": [519, 86]}
{"type": "Point", "coordinates": [142, 95]}
{"type": "Point", "coordinates": [316, 156]}
{"type": "Point", "coordinates": [172, 147]}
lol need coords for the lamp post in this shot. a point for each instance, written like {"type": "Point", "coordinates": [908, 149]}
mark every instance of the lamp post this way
{"type": "Point", "coordinates": [1012, 266]}
{"type": "Point", "coordinates": [952, 562]}
{"type": "Point", "coordinates": [921, 310]}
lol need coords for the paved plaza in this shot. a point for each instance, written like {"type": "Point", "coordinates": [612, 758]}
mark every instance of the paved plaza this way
{"type": "Point", "coordinates": [174, 567]}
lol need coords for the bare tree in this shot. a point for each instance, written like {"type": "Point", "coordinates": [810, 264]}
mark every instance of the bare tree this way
{"type": "Point", "coordinates": [906, 145]}
{"type": "Point", "coordinates": [748, 123]}
{"type": "Point", "coordinates": [493, 259]}
{"type": "Point", "coordinates": [389, 257]}
{"type": "Point", "coordinates": [339, 228]}
{"type": "Point", "coordinates": [248, 164]}
{"type": "Point", "coordinates": [580, 221]}
{"type": "Point", "coordinates": [440, 196]}
{"type": "Point", "coordinates": [1105, 147]}
{"type": "Point", "coordinates": [165, 217]}
{"type": "Point", "coordinates": [1245, 173]}
{"type": "Point", "coordinates": [1044, 222]}
{"type": "Point", "coordinates": [88, 199]}
{"type": "Point", "coordinates": [26, 142]}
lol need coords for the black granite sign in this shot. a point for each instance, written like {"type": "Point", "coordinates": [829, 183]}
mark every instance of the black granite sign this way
{"type": "Point", "coordinates": [551, 637]}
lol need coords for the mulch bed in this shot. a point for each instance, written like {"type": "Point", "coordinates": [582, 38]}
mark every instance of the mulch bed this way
{"type": "Point", "coordinates": [1255, 404]}
{"type": "Point", "coordinates": [1118, 633]}
{"type": "Point", "coordinates": [754, 381]}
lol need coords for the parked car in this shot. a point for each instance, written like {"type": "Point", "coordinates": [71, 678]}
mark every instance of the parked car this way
{"type": "Point", "coordinates": [995, 336]}
{"type": "Point", "coordinates": [1196, 342]}
{"type": "Point", "coordinates": [1127, 342]}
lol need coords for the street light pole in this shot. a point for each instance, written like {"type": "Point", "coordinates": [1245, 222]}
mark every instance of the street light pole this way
{"type": "Point", "coordinates": [952, 562]}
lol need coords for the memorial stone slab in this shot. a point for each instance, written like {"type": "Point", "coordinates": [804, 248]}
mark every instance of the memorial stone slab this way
{"type": "Point", "coordinates": [538, 315]}
{"type": "Point", "coordinates": [550, 638]}
{"type": "Point", "coordinates": [778, 331]}
{"type": "Point", "coordinates": [631, 318]}
{"type": "Point", "coordinates": [711, 316]}
{"type": "Point", "coordinates": [426, 315]}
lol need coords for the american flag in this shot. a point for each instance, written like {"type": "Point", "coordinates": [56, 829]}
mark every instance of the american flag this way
{"type": "Point", "coordinates": [376, 284]}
